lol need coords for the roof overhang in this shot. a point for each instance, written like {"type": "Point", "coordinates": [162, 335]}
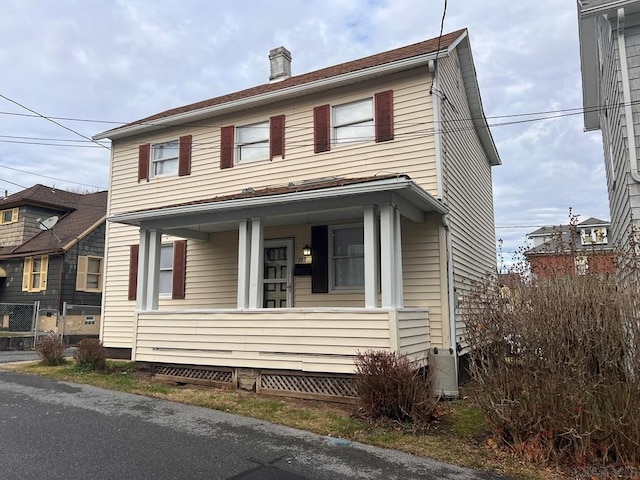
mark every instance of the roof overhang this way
{"type": "Point", "coordinates": [271, 97]}
{"type": "Point", "coordinates": [473, 96]}
{"type": "Point", "coordinates": [302, 207]}
{"type": "Point", "coordinates": [589, 60]}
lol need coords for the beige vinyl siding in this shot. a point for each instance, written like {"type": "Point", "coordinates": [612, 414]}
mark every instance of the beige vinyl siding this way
{"type": "Point", "coordinates": [413, 144]}
{"type": "Point", "coordinates": [297, 340]}
{"type": "Point", "coordinates": [620, 185]}
{"type": "Point", "coordinates": [413, 333]}
{"type": "Point", "coordinates": [467, 186]}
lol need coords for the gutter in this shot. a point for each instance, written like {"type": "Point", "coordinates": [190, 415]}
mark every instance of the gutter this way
{"type": "Point", "coordinates": [626, 94]}
{"type": "Point", "coordinates": [437, 124]}
{"type": "Point", "coordinates": [306, 88]}
{"type": "Point", "coordinates": [451, 296]}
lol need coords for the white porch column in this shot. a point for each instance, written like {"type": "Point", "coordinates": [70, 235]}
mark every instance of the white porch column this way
{"type": "Point", "coordinates": [370, 258]}
{"type": "Point", "coordinates": [148, 269]}
{"type": "Point", "coordinates": [244, 255]}
{"type": "Point", "coordinates": [256, 264]}
{"type": "Point", "coordinates": [388, 255]}
{"type": "Point", "coordinates": [398, 253]}
{"type": "Point", "coordinates": [143, 268]}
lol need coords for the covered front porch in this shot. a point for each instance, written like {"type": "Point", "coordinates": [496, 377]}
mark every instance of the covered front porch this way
{"type": "Point", "coordinates": [294, 309]}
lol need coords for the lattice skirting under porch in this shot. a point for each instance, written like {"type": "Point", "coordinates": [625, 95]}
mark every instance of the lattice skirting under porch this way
{"type": "Point", "coordinates": [315, 386]}
{"type": "Point", "coordinates": [219, 377]}
{"type": "Point", "coordinates": [341, 388]}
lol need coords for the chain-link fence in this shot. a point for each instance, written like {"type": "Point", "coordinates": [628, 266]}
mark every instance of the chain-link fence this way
{"type": "Point", "coordinates": [80, 321]}
{"type": "Point", "coordinates": [17, 317]}
{"type": "Point", "coordinates": [17, 324]}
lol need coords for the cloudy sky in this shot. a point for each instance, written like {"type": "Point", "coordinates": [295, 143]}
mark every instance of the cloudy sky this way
{"type": "Point", "coordinates": [89, 63]}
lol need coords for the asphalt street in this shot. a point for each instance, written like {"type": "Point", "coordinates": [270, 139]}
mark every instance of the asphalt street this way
{"type": "Point", "coordinates": [59, 430]}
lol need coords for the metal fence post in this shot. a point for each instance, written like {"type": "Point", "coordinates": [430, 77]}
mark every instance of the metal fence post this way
{"type": "Point", "coordinates": [34, 322]}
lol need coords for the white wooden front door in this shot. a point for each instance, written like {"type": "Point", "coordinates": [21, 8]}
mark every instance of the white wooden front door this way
{"type": "Point", "coordinates": [278, 274]}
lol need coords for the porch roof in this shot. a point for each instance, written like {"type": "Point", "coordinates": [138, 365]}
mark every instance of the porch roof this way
{"type": "Point", "coordinates": [311, 201]}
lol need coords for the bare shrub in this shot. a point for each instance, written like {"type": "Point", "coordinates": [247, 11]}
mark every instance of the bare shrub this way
{"type": "Point", "coordinates": [51, 350]}
{"type": "Point", "coordinates": [556, 363]}
{"type": "Point", "coordinates": [390, 387]}
{"type": "Point", "coordinates": [90, 355]}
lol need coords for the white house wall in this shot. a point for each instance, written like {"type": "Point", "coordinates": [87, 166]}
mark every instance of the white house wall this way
{"type": "Point", "coordinates": [467, 186]}
{"type": "Point", "coordinates": [211, 280]}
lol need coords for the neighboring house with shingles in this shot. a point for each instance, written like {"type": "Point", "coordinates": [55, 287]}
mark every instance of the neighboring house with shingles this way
{"type": "Point", "coordinates": [579, 249]}
{"type": "Point", "coordinates": [269, 235]}
{"type": "Point", "coordinates": [610, 88]}
{"type": "Point", "coordinates": [51, 252]}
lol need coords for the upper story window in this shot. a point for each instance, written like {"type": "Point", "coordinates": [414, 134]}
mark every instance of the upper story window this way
{"type": "Point", "coordinates": [594, 236]}
{"type": "Point", "coordinates": [347, 257]}
{"type": "Point", "coordinates": [89, 274]}
{"type": "Point", "coordinates": [9, 216]}
{"type": "Point", "coordinates": [252, 142]}
{"type": "Point", "coordinates": [353, 122]}
{"type": "Point", "coordinates": [34, 276]}
{"type": "Point", "coordinates": [164, 158]}
{"type": "Point", "coordinates": [359, 121]}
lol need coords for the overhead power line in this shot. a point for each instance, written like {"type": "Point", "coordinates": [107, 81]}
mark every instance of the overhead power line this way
{"type": "Point", "coordinates": [51, 178]}
{"type": "Point", "coordinates": [52, 121]}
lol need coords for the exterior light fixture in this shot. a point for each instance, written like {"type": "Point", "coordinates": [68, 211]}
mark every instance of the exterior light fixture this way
{"type": "Point", "coordinates": [306, 251]}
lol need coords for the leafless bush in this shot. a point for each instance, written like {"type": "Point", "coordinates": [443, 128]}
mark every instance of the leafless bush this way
{"type": "Point", "coordinates": [51, 350]}
{"type": "Point", "coordinates": [556, 362]}
{"type": "Point", "coordinates": [391, 388]}
{"type": "Point", "coordinates": [90, 355]}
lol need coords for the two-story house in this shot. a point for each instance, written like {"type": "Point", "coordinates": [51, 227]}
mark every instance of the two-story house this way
{"type": "Point", "coordinates": [269, 235]}
{"type": "Point", "coordinates": [571, 249]}
{"type": "Point", "coordinates": [51, 252]}
{"type": "Point", "coordinates": [610, 57]}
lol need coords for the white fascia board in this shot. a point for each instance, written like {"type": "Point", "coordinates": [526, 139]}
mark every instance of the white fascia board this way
{"type": "Point", "coordinates": [608, 8]}
{"type": "Point", "coordinates": [265, 98]}
{"type": "Point", "coordinates": [405, 187]}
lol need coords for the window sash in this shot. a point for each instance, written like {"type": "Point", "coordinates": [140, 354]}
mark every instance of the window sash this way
{"type": "Point", "coordinates": [353, 122]}
{"type": "Point", "coordinates": [164, 159]}
{"type": "Point", "coordinates": [347, 257]}
{"type": "Point", "coordinates": [165, 283]}
{"type": "Point", "coordinates": [252, 142]}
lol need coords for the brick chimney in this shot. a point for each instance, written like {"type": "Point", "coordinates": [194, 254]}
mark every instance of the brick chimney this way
{"type": "Point", "coordinates": [280, 59]}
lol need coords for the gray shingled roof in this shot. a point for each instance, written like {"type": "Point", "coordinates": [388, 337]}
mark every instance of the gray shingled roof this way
{"type": "Point", "coordinates": [77, 213]}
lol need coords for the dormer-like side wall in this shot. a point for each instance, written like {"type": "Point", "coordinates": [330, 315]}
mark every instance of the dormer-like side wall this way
{"type": "Point", "coordinates": [410, 152]}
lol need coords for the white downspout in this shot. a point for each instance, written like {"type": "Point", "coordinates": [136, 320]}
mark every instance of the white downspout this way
{"type": "Point", "coordinates": [451, 296]}
{"type": "Point", "coordinates": [626, 94]}
{"type": "Point", "coordinates": [437, 125]}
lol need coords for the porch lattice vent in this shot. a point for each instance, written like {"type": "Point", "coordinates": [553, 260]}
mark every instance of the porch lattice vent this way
{"type": "Point", "coordinates": [221, 376]}
{"type": "Point", "coordinates": [308, 385]}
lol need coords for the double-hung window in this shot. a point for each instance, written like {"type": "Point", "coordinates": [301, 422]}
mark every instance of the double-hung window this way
{"type": "Point", "coordinates": [165, 287]}
{"type": "Point", "coordinates": [34, 277]}
{"type": "Point", "coordinates": [353, 122]}
{"type": "Point", "coordinates": [9, 216]}
{"type": "Point", "coordinates": [164, 159]}
{"type": "Point", "coordinates": [347, 257]}
{"type": "Point", "coordinates": [89, 274]}
{"type": "Point", "coordinates": [252, 142]}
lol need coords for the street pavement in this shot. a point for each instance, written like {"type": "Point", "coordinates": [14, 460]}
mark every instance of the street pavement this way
{"type": "Point", "coordinates": [59, 430]}
{"type": "Point", "coordinates": [12, 356]}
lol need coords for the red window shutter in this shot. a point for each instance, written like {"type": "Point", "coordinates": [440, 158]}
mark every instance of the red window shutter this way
{"type": "Point", "coordinates": [133, 271]}
{"type": "Point", "coordinates": [321, 129]}
{"type": "Point", "coordinates": [179, 268]}
{"type": "Point", "coordinates": [184, 156]}
{"type": "Point", "coordinates": [320, 259]}
{"type": "Point", "coordinates": [384, 116]}
{"type": "Point", "coordinates": [143, 162]}
{"type": "Point", "coordinates": [276, 136]}
{"type": "Point", "coordinates": [226, 146]}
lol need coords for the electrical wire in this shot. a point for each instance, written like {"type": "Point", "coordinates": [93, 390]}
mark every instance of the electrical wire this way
{"type": "Point", "coordinates": [51, 178]}
{"type": "Point", "coordinates": [51, 120]}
